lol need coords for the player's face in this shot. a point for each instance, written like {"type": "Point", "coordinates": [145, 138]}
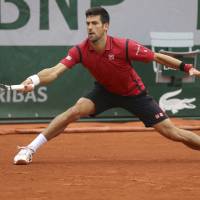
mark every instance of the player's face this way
{"type": "Point", "coordinates": [95, 28]}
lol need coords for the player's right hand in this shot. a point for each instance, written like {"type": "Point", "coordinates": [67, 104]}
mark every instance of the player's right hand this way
{"type": "Point", "coordinates": [28, 86]}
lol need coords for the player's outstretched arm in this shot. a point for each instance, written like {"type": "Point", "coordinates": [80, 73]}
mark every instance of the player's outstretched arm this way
{"type": "Point", "coordinates": [44, 77]}
{"type": "Point", "coordinates": [167, 60]}
{"type": "Point", "coordinates": [176, 64]}
{"type": "Point", "coordinates": [48, 75]}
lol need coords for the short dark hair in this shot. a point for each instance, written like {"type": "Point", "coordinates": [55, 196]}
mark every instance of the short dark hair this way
{"type": "Point", "coordinates": [105, 18]}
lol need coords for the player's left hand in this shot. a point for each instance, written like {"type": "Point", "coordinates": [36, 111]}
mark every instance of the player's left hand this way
{"type": "Point", "coordinates": [194, 72]}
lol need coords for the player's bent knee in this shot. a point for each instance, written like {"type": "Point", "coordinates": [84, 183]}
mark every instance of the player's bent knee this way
{"type": "Point", "coordinates": [86, 106]}
{"type": "Point", "coordinates": [82, 100]}
{"type": "Point", "coordinates": [75, 111]}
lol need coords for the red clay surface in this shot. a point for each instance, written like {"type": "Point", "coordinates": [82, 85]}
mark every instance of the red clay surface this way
{"type": "Point", "coordinates": [101, 166]}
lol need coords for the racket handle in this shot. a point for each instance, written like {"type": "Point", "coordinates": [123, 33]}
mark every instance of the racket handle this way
{"type": "Point", "coordinates": [19, 87]}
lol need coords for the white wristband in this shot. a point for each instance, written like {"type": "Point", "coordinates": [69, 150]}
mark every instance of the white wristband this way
{"type": "Point", "coordinates": [35, 79]}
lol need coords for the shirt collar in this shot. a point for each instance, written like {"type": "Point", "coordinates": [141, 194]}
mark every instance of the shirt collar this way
{"type": "Point", "coordinates": [108, 44]}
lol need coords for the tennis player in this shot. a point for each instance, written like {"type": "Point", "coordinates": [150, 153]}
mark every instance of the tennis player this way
{"type": "Point", "coordinates": [108, 59]}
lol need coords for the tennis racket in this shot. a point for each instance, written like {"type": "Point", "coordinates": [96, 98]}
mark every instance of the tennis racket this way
{"type": "Point", "coordinates": [5, 88]}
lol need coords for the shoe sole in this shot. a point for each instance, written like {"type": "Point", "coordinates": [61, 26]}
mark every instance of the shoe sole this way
{"type": "Point", "coordinates": [22, 162]}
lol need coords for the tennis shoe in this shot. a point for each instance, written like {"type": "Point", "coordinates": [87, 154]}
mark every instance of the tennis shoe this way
{"type": "Point", "coordinates": [24, 156]}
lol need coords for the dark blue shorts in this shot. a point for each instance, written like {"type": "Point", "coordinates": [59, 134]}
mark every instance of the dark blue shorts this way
{"type": "Point", "coordinates": [142, 106]}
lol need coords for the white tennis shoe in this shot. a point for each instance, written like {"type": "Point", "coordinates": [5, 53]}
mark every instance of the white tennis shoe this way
{"type": "Point", "coordinates": [24, 156]}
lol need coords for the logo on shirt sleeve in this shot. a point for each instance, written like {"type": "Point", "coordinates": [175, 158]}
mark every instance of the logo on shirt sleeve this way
{"type": "Point", "coordinates": [69, 58]}
{"type": "Point", "coordinates": [141, 50]}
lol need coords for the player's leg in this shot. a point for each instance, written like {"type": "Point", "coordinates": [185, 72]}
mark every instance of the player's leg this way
{"type": "Point", "coordinates": [170, 131]}
{"type": "Point", "coordinates": [93, 103]}
{"type": "Point", "coordinates": [147, 109]}
{"type": "Point", "coordinates": [82, 108]}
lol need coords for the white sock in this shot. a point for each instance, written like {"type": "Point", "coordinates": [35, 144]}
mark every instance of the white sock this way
{"type": "Point", "coordinates": [37, 142]}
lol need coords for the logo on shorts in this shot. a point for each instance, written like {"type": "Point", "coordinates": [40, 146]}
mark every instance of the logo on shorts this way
{"type": "Point", "coordinates": [111, 57]}
{"type": "Point", "coordinates": [159, 115]}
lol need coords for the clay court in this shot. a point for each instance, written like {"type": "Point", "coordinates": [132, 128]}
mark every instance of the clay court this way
{"type": "Point", "coordinates": [101, 165]}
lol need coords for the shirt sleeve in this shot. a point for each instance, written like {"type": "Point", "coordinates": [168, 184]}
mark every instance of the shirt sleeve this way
{"type": "Point", "coordinates": [72, 58]}
{"type": "Point", "coordinates": [138, 52]}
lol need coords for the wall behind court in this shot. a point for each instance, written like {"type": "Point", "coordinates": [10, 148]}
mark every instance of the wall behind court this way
{"type": "Point", "coordinates": [37, 34]}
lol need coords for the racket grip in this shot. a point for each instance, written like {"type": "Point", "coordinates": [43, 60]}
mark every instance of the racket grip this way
{"type": "Point", "coordinates": [19, 87]}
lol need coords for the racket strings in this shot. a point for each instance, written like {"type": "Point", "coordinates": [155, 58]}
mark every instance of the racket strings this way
{"type": "Point", "coordinates": [4, 88]}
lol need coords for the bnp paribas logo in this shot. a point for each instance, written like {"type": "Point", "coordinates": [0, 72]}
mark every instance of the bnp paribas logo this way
{"type": "Point", "coordinates": [23, 10]}
{"type": "Point", "coordinates": [198, 18]}
{"type": "Point", "coordinates": [38, 22]}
